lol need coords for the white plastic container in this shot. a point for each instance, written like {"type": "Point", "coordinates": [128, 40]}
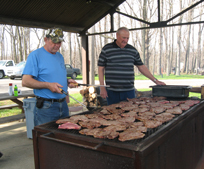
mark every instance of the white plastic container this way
{"type": "Point", "coordinates": [10, 89]}
{"type": "Point", "coordinates": [28, 105]}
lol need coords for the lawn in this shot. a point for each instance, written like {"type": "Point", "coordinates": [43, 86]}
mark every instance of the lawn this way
{"type": "Point", "coordinates": [73, 103]}
{"type": "Point", "coordinates": [14, 111]}
{"type": "Point", "coordinates": [163, 77]}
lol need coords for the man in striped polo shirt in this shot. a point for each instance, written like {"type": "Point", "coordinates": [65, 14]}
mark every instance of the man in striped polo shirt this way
{"type": "Point", "coordinates": [116, 62]}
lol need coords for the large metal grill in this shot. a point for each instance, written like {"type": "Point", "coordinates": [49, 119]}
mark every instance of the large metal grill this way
{"type": "Point", "coordinates": [175, 144]}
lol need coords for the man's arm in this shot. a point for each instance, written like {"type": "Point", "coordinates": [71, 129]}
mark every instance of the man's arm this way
{"type": "Point", "coordinates": [30, 82]}
{"type": "Point", "coordinates": [143, 69]}
{"type": "Point", "coordinates": [103, 91]}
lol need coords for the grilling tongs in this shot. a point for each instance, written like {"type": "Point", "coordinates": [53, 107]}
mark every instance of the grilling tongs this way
{"type": "Point", "coordinates": [72, 97]}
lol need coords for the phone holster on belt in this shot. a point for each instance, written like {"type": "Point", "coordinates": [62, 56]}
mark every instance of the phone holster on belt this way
{"type": "Point", "coordinates": [39, 103]}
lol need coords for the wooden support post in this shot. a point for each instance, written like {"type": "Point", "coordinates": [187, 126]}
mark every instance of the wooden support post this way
{"type": "Point", "coordinates": [202, 92]}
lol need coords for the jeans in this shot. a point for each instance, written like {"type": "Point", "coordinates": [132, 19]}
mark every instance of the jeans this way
{"type": "Point", "coordinates": [50, 111]}
{"type": "Point", "coordinates": [116, 97]}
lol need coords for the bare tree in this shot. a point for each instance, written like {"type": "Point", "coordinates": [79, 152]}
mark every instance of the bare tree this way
{"type": "Point", "coordinates": [160, 43]}
{"type": "Point", "coordinates": [79, 49]}
{"type": "Point", "coordinates": [178, 54]}
{"type": "Point", "coordinates": [2, 42]}
{"type": "Point", "coordinates": [92, 58]}
{"type": "Point", "coordinates": [186, 58]}
{"type": "Point", "coordinates": [70, 48]}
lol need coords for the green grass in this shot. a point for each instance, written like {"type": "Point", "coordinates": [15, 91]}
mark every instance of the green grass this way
{"type": "Point", "coordinates": [163, 77]}
{"type": "Point", "coordinates": [73, 103]}
{"type": "Point", "coordinates": [16, 110]}
{"type": "Point", "coordinates": [78, 97]}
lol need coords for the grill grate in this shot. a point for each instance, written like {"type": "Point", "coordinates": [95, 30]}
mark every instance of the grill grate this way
{"type": "Point", "coordinates": [54, 128]}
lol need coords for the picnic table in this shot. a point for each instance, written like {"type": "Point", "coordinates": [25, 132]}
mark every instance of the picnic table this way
{"type": "Point", "coordinates": [16, 99]}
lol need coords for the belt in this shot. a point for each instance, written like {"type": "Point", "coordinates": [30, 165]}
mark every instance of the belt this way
{"type": "Point", "coordinates": [53, 100]}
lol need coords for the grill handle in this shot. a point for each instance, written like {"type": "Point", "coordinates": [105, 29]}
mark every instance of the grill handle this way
{"type": "Point", "coordinates": [47, 136]}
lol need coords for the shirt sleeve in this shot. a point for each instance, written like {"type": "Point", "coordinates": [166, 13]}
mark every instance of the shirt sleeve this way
{"type": "Point", "coordinates": [102, 58]}
{"type": "Point", "coordinates": [31, 67]}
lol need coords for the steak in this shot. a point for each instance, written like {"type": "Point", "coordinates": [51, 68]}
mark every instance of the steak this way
{"type": "Point", "coordinates": [124, 136]}
{"type": "Point", "coordinates": [120, 127]}
{"type": "Point", "coordinates": [152, 123]}
{"type": "Point", "coordinates": [175, 110]}
{"type": "Point", "coordinates": [89, 124]}
{"type": "Point", "coordinates": [112, 117]}
{"type": "Point", "coordinates": [130, 114]}
{"type": "Point", "coordinates": [157, 109]}
{"type": "Point", "coordinates": [79, 118]}
{"type": "Point", "coordinates": [69, 125]}
{"type": "Point", "coordinates": [128, 119]}
{"type": "Point", "coordinates": [184, 106]}
{"type": "Point", "coordinates": [61, 121]}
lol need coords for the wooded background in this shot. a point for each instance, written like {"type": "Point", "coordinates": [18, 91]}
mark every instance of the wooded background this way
{"type": "Point", "coordinates": [179, 48]}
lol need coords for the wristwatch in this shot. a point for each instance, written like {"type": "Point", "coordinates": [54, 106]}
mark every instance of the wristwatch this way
{"type": "Point", "coordinates": [155, 80]}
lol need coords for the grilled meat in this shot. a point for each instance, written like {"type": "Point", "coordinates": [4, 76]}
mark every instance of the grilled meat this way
{"type": "Point", "coordinates": [128, 120]}
{"type": "Point", "coordinates": [69, 125]}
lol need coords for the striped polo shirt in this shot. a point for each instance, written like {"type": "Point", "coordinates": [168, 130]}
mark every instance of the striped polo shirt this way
{"type": "Point", "coordinates": [119, 66]}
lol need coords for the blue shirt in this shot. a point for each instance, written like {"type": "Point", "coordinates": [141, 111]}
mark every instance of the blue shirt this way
{"type": "Point", "coordinates": [47, 67]}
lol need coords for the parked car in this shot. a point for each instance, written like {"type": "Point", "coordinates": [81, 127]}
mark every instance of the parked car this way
{"type": "Point", "coordinates": [16, 71]}
{"type": "Point", "coordinates": [72, 72]}
{"type": "Point", "coordinates": [4, 65]}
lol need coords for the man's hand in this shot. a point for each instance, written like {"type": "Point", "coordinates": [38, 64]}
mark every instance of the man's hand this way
{"type": "Point", "coordinates": [54, 87]}
{"type": "Point", "coordinates": [72, 83]}
{"type": "Point", "coordinates": [103, 92]}
{"type": "Point", "coordinates": [160, 82]}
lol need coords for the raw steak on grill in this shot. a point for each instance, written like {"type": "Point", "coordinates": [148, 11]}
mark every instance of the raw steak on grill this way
{"type": "Point", "coordinates": [69, 125]}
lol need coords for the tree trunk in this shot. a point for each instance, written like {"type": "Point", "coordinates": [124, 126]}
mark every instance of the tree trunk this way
{"type": "Point", "coordinates": [92, 58]}
{"type": "Point", "coordinates": [159, 67]}
{"type": "Point", "coordinates": [144, 12]}
{"type": "Point", "coordinates": [70, 48]}
{"type": "Point", "coordinates": [79, 49]}
{"type": "Point", "coordinates": [24, 45]}
{"type": "Point", "coordinates": [179, 44]}
{"type": "Point", "coordinates": [2, 43]}
{"type": "Point", "coordinates": [199, 46]}
{"type": "Point", "coordinates": [20, 44]}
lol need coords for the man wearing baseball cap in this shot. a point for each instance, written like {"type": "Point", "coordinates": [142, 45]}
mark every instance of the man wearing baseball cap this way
{"type": "Point", "coordinates": [45, 73]}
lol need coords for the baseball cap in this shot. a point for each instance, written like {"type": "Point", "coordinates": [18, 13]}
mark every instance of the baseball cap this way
{"type": "Point", "coordinates": [55, 34]}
